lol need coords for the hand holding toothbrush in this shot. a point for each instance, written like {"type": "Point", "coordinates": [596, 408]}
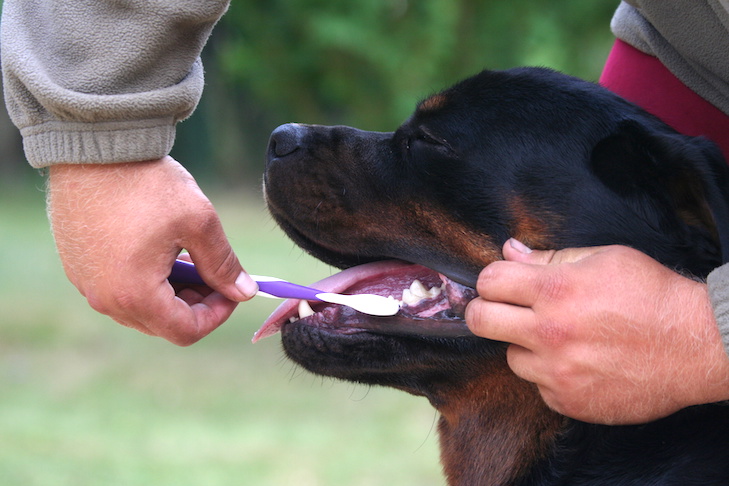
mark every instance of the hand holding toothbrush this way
{"type": "Point", "coordinates": [119, 228]}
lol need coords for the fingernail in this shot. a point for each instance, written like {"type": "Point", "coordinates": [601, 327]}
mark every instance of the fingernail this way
{"type": "Point", "coordinates": [519, 246]}
{"type": "Point", "coordinates": [246, 285]}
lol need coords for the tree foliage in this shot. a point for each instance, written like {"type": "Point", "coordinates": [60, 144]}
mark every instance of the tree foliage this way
{"type": "Point", "coordinates": [366, 63]}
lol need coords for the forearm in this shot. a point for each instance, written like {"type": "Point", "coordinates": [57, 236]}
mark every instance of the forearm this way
{"type": "Point", "coordinates": [90, 82]}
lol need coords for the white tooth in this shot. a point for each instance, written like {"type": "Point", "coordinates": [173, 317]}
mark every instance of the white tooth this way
{"type": "Point", "coordinates": [390, 297]}
{"type": "Point", "coordinates": [408, 297]}
{"type": "Point", "coordinates": [305, 309]}
{"type": "Point", "coordinates": [418, 292]}
{"type": "Point", "coordinates": [418, 289]}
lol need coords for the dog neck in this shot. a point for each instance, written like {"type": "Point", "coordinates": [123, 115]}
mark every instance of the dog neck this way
{"type": "Point", "coordinates": [495, 430]}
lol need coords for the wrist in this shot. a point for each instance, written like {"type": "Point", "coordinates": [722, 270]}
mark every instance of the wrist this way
{"type": "Point", "coordinates": [711, 362]}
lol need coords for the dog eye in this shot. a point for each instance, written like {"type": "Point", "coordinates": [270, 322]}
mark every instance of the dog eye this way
{"type": "Point", "coordinates": [424, 137]}
{"type": "Point", "coordinates": [432, 142]}
{"type": "Point", "coordinates": [421, 142]}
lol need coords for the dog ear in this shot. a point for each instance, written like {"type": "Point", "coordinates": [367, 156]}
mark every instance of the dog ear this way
{"type": "Point", "coordinates": [688, 173]}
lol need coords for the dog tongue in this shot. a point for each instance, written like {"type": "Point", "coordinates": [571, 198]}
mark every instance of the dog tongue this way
{"type": "Point", "coordinates": [337, 283]}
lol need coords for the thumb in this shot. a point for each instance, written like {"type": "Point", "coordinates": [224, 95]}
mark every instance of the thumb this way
{"type": "Point", "coordinates": [516, 251]}
{"type": "Point", "coordinates": [219, 267]}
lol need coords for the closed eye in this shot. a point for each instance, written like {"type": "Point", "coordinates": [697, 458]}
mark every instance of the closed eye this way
{"type": "Point", "coordinates": [423, 139]}
{"type": "Point", "coordinates": [424, 135]}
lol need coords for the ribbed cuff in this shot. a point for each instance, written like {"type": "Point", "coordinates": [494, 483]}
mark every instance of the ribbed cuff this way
{"type": "Point", "coordinates": [97, 143]}
{"type": "Point", "coordinates": [718, 285]}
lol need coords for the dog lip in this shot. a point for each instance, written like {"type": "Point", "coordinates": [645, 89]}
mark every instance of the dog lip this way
{"type": "Point", "coordinates": [440, 316]}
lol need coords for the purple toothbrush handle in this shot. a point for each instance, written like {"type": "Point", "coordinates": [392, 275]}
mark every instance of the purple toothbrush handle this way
{"type": "Point", "coordinates": [185, 273]}
{"type": "Point", "coordinates": [288, 290]}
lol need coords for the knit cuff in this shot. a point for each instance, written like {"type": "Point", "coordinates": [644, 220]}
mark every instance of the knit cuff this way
{"type": "Point", "coordinates": [718, 284]}
{"type": "Point", "coordinates": [97, 143]}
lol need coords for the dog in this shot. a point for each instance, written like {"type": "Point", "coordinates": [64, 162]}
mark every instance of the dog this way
{"type": "Point", "coordinates": [530, 153]}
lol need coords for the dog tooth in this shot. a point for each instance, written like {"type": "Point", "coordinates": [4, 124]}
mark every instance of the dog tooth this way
{"type": "Point", "coordinates": [423, 292]}
{"type": "Point", "coordinates": [418, 292]}
{"type": "Point", "coordinates": [418, 289]}
{"type": "Point", "coordinates": [390, 297]}
{"type": "Point", "coordinates": [305, 309]}
{"type": "Point", "coordinates": [408, 297]}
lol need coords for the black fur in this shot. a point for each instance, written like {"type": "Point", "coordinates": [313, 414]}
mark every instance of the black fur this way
{"type": "Point", "coordinates": [532, 153]}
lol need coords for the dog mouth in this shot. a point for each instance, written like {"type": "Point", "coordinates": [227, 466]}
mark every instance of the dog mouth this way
{"type": "Point", "coordinates": [432, 304]}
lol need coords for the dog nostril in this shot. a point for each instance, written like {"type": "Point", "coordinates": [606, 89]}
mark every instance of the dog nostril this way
{"type": "Point", "coordinates": [284, 140]}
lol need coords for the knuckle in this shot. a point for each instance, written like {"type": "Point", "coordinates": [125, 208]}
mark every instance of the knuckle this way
{"type": "Point", "coordinates": [196, 218]}
{"type": "Point", "coordinates": [177, 330]}
{"type": "Point", "coordinates": [564, 407]}
{"type": "Point", "coordinates": [554, 286]}
{"type": "Point", "coordinates": [219, 268]}
{"type": "Point", "coordinates": [552, 333]}
{"type": "Point", "coordinates": [489, 274]}
{"type": "Point", "coordinates": [228, 268]}
{"type": "Point", "coordinates": [182, 340]}
{"type": "Point", "coordinates": [564, 375]}
{"type": "Point", "coordinates": [205, 215]}
{"type": "Point", "coordinates": [126, 301]}
{"type": "Point", "coordinates": [120, 304]}
{"type": "Point", "coordinates": [98, 303]}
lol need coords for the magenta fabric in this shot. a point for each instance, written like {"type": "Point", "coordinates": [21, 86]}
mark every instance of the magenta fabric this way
{"type": "Point", "coordinates": [645, 81]}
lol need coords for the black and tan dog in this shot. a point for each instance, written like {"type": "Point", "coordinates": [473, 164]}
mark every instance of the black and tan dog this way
{"type": "Point", "coordinates": [549, 159]}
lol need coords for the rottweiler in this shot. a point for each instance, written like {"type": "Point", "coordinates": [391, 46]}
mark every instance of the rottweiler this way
{"type": "Point", "coordinates": [416, 213]}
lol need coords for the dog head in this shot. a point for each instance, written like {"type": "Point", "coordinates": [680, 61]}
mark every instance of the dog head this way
{"type": "Point", "coordinates": [530, 153]}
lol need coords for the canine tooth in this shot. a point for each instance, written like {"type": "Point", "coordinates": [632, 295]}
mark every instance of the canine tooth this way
{"type": "Point", "coordinates": [305, 309]}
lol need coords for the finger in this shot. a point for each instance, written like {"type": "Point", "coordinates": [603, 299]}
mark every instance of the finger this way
{"type": "Point", "coordinates": [186, 324]}
{"type": "Point", "coordinates": [156, 310]}
{"type": "Point", "coordinates": [184, 257]}
{"type": "Point", "coordinates": [515, 251]}
{"type": "Point", "coordinates": [132, 324]}
{"type": "Point", "coordinates": [513, 282]}
{"type": "Point", "coordinates": [217, 263]}
{"type": "Point", "coordinates": [192, 296]}
{"type": "Point", "coordinates": [188, 317]}
{"type": "Point", "coordinates": [501, 322]}
{"type": "Point", "coordinates": [212, 311]}
{"type": "Point", "coordinates": [192, 315]}
{"type": "Point", "coordinates": [526, 364]}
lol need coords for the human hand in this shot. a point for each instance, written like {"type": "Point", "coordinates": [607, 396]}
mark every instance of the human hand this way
{"type": "Point", "coordinates": [118, 229]}
{"type": "Point", "coordinates": [608, 334]}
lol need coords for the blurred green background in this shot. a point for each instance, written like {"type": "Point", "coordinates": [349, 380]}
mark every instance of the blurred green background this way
{"type": "Point", "coordinates": [84, 401]}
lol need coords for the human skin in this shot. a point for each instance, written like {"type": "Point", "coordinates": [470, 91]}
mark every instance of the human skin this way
{"type": "Point", "coordinates": [118, 229]}
{"type": "Point", "coordinates": [608, 334]}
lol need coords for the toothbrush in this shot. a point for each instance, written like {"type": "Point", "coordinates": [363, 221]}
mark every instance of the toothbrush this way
{"type": "Point", "coordinates": [271, 287]}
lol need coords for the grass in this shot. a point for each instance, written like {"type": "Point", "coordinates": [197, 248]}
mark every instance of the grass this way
{"type": "Point", "coordinates": [84, 401]}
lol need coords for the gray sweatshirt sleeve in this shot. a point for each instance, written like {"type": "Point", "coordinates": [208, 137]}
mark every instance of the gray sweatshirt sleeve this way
{"type": "Point", "coordinates": [718, 283]}
{"type": "Point", "coordinates": [690, 37]}
{"type": "Point", "coordinates": [102, 81]}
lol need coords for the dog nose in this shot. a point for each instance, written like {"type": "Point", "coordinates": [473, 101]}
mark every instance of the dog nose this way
{"type": "Point", "coordinates": [284, 140]}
